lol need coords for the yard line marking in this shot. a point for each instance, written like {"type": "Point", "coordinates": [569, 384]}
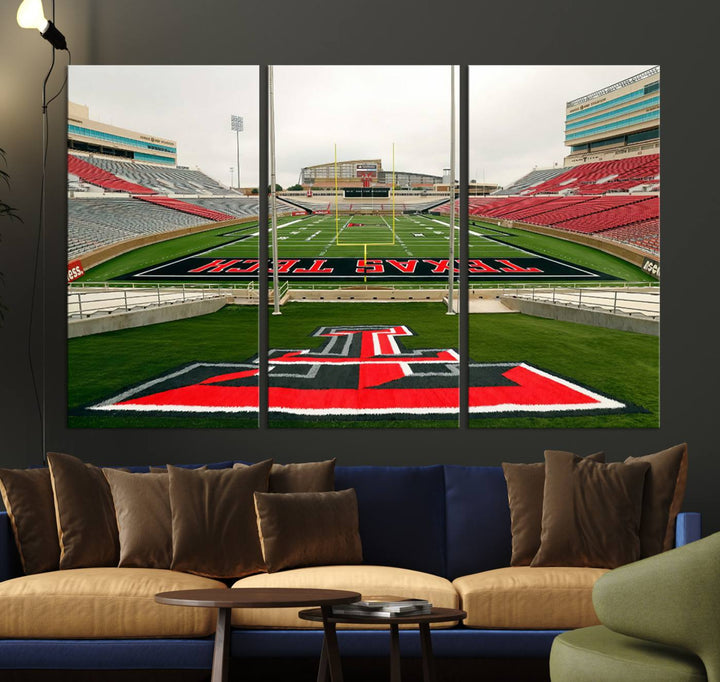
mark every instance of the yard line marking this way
{"type": "Point", "coordinates": [214, 248]}
{"type": "Point", "coordinates": [402, 243]}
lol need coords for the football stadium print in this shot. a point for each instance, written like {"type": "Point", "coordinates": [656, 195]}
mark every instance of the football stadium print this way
{"type": "Point", "coordinates": [363, 238]}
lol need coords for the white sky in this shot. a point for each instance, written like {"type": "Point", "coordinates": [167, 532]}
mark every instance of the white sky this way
{"type": "Point", "coordinates": [189, 104]}
{"type": "Point", "coordinates": [517, 113]}
{"type": "Point", "coordinates": [364, 110]}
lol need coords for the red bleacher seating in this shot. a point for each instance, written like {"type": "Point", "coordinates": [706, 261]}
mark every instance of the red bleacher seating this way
{"type": "Point", "coordinates": [187, 207]}
{"type": "Point", "coordinates": [616, 176]}
{"type": "Point", "coordinates": [644, 235]}
{"type": "Point", "coordinates": [605, 208]}
{"type": "Point", "coordinates": [101, 178]}
{"type": "Point", "coordinates": [645, 209]}
{"type": "Point", "coordinates": [577, 214]}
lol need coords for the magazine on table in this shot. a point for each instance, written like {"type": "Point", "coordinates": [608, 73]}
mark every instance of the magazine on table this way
{"type": "Point", "coordinates": [383, 607]}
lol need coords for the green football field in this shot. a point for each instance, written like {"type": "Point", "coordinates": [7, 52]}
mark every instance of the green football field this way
{"type": "Point", "coordinates": [324, 236]}
{"type": "Point", "coordinates": [104, 365]}
{"type": "Point", "coordinates": [366, 236]}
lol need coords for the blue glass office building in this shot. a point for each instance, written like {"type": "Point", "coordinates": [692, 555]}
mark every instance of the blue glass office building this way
{"type": "Point", "coordinates": [617, 121]}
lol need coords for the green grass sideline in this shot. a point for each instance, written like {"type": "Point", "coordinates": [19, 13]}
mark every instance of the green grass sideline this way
{"type": "Point", "coordinates": [622, 364]}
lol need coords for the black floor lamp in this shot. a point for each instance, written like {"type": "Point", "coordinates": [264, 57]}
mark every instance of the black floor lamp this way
{"type": "Point", "coordinates": [30, 14]}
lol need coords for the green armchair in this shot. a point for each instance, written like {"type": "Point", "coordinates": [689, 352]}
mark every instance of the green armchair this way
{"type": "Point", "coordinates": [661, 622]}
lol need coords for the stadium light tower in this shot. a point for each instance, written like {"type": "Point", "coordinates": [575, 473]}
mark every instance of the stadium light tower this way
{"type": "Point", "coordinates": [451, 254]}
{"type": "Point", "coordinates": [237, 125]}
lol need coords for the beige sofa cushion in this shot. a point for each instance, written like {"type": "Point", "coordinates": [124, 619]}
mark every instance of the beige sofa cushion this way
{"type": "Point", "coordinates": [368, 580]}
{"type": "Point", "coordinates": [102, 603]}
{"type": "Point", "coordinates": [529, 598]}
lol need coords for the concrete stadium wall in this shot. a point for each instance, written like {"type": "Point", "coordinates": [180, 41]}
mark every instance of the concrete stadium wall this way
{"type": "Point", "coordinates": [595, 318]}
{"type": "Point", "coordinates": [142, 318]}
{"type": "Point", "coordinates": [378, 294]}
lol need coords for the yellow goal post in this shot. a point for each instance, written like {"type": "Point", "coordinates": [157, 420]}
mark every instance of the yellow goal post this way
{"type": "Point", "coordinates": [337, 211]}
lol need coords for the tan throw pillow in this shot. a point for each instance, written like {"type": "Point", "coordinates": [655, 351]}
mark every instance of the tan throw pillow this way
{"type": "Point", "coordinates": [308, 529]}
{"type": "Point", "coordinates": [214, 532]}
{"type": "Point", "coordinates": [144, 519]}
{"type": "Point", "coordinates": [85, 515]}
{"type": "Point", "coordinates": [28, 498]}
{"type": "Point", "coordinates": [591, 512]}
{"type": "Point", "coordinates": [301, 477]}
{"type": "Point", "coordinates": [525, 484]}
{"type": "Point", "coordinates": [663, 498]}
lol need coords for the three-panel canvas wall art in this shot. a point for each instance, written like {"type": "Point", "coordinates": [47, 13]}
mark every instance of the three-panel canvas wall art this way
{"type": "Point", "coordinates": [360, 303]}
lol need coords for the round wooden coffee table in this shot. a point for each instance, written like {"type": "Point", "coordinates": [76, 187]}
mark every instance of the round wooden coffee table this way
{"type": "Point", "coordinates": [330, 650]}
{"type": "Point", "coordinates": [256, 598]}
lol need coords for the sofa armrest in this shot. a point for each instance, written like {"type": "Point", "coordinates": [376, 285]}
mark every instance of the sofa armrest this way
{"type": "Point", "coordinates": [688, 528]}
{"type": "Point", "coordinates": [10, 566]}
{"type": "Point", "coordinates": [672, 598]}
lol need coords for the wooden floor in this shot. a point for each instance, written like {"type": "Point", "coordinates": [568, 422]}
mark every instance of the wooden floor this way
{"type": "Point", "coordinates": [305, 670]}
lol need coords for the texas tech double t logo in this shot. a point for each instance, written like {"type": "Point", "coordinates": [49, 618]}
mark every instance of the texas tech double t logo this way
{"type": "Point", "coordinates": [361, 372]}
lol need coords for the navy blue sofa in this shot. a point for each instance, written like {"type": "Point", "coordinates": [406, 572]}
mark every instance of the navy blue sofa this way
{"type": "Point", "coordinates": [449, 521]}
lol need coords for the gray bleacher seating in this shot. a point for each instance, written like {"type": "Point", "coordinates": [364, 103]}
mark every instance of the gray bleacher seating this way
{"type": "Point", "coordinates": [241, 206]}
{"type": "Point", "coordinates": [534, 177]}
{"type": "Point", "coordinates": [365, 205]}
{"type": "Point", "coordinates": [93, 223]}
{"type": "Point", "coordinates": [164, 180]}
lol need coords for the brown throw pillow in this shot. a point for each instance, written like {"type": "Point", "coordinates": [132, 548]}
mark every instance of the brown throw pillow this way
{"type": "Point", "coordinates": [28, 498]}
{"type": "Point", "coordinates": [144, 519]}
{"type": "Point", "coordinates": [591, 512]}
{"type": "Point", "coordinates": [214, 532]}
{"type": "Point", "coordinates": [525, 484]}
{"type": "Point", "coordinates": [163, 469]}
{"type": "Point", "coordinates": [308, 529]}
{"type": "Point", "coordinates": [662, 499]}
{"type": "Point", "coordinates": [85, 514]}
{"type": "Point", "coordinates": [301, 477]}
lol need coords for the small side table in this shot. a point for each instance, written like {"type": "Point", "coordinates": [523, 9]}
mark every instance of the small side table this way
{"type": "Point", "coordinates": [330, 650]}
{"type": "Point", "coordinates": [257, 598]}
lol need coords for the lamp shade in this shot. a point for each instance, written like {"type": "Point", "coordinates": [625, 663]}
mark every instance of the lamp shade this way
{"type": "Point", "coordinates": [30, 14]}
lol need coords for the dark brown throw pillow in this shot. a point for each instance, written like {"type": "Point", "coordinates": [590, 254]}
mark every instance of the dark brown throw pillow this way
{"type": "Point", "coordinates": [87, 529]}
{"type": "Point", "coordinates": [308, 529]}
{"type": "Point", "coordinates": [591, 512]}
{"type": "Point", "coordinates": [525, 484]}
{"type": "Point", "coordinates": [214, 532]}
{"type": "Point", "coordinates": [662, 499]}
{"type": "Point", "coordinates": [301, 477]}
{"type": "Point", "coordinates": [28, 498]}
{"type": "Point", "coordinates": [144, 519]}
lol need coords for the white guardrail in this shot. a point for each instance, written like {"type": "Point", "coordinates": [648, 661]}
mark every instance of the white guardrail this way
{"type": "Point", "coordinates": [87, 300]}
{"type": "Point", "coordinates": [645, 302]}
{"type": "Point", "coordinates": [90, 298]}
